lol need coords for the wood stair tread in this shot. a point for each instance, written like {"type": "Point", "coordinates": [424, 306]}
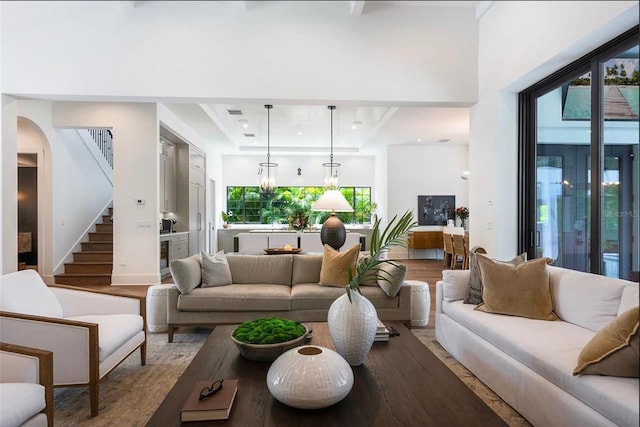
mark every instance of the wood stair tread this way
{"type": "Point", "coordinates": [82, 274]}
{"type": "Point", "coordinates": [89, 263]}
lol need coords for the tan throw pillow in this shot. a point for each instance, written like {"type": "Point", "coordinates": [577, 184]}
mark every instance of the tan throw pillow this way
{"type": "Point", "coordinates": [186, 273]}
{"type": "Point", "coordinates": [215, 270]}
{"type": "Point", "coordinates": [391, 278]}
{"type": "Point", "coordinates": [336, 265]}
{"type": "Point", "coordinates": [518, 290]}
{"type": "Point", "coordinates": [614, 349]}
{"type": "Point", "coordinates": [475, 279]}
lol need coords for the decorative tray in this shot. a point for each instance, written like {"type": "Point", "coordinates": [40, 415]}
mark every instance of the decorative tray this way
{"type": "Point", "coordinates": [276, 251]}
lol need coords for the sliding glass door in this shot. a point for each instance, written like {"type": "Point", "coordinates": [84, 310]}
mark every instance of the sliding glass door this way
{"type": "Point", "coordinates": [579, 163]}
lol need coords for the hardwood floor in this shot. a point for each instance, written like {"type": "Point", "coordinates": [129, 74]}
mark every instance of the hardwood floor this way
{"type": "Point", "coordinates": [426, 270]}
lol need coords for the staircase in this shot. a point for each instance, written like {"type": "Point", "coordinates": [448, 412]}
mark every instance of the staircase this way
{"type": "Point", "coordinates": [94, 263]}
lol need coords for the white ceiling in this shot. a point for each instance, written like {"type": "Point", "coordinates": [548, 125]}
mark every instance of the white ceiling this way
{"type": "Point", "coordinates": [307, 128]}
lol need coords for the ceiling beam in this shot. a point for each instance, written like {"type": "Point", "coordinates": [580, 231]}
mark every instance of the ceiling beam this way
{"type": "Point", "coordinates": [357, 6]}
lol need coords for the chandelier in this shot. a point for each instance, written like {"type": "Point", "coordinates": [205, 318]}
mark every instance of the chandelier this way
{"type": "Point", "coordinates": [267, 170]}
{"type": "Point", "coordinates": [331, 167]}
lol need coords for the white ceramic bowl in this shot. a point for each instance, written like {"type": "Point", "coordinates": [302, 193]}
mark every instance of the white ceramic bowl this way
{"type": "Point", "coordinates": [310, 377]}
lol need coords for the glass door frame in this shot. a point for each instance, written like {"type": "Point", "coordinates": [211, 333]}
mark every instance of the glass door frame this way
{"type": "Point", "coordinates": [527, 144]}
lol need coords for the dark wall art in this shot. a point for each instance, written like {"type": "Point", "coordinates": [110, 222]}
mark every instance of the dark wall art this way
{"type": "Point", "coordinates": [436, 210]}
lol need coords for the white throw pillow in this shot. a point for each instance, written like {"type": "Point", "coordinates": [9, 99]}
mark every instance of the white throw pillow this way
{"type": "Point", "coordinates": [215, 270]}
{"type": "Point", "coordinates": [25, 292]}
{"type": "Point", "coordinates": [186, 273]}
{"type": "Point", "coordinates": [391, 277]}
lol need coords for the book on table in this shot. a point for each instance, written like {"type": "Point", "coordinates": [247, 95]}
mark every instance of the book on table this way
{"type": "Point", "coordinates": [215, 407]}
{"type": "Point", "coordinates": [382, 333]}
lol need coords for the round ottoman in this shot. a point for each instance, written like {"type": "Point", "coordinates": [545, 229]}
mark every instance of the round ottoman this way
{"type": "Point", "coordinates": [420, 302]}
{"type": "Point", "coordinates": [157, 307]}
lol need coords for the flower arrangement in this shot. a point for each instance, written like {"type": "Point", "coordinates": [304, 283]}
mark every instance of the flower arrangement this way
{"type": "Point", "coordinates": [463, 213]}
{"type": "Point", "coordinates": [299, 220]}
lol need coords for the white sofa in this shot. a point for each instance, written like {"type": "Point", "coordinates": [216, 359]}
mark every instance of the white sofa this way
{"type": "Point", "coordinates": [529, 363]}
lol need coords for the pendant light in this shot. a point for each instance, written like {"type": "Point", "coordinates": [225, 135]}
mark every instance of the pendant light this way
{"type": "Point", "coordinates": [331, 168]}
{"type": "Point", "coordinates": [333, 232]}
{"type": "Point", "coordinates": [268, 169]}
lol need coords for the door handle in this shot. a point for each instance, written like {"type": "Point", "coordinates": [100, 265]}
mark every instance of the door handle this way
{"type": "Point", "coordinates": [199, 221]}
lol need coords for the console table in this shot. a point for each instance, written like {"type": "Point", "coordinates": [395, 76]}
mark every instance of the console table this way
{"type": "Point", "coordinates": [425, 240]}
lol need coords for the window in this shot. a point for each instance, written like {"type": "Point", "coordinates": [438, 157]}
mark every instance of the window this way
{"type": "Point", "coordinates": [248, 206]}
{"type": "Point", "coordinates": [579, 139]}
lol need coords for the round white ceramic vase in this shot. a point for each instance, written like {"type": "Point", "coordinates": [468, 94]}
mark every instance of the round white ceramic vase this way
{"type": "Point", "coordinates": [352, 326]}
{"type": "Point", "coordinates": [309, 377]}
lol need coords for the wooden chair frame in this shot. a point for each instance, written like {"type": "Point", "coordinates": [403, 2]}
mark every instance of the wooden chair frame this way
{"type": "Point", "coordinates": [45, 373]}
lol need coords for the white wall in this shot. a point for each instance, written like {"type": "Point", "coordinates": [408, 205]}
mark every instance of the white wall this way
{"type": "Point", "coordinates": [135, 157]}
{"type": "Point", "coordinates": [274, 51]}
{"type": "Point", "coordinates": [413, 171]}
{"type": "Point", "coordinates": [9, 185]}
{"type": "Point", "coordinates": [520, 43]}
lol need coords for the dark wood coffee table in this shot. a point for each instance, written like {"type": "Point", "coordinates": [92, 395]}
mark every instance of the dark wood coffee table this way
{"type": "Point", "coordinates": [401, 383]}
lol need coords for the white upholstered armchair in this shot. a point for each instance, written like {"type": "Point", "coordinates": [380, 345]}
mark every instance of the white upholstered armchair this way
{"type": "Point", "coordinates": [26, 386]}
{"type": "Point", "coordinates": [89, 332]}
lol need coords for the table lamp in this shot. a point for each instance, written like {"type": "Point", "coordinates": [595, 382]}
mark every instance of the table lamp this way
{"type": "Point", "coordinates": [333, 232]}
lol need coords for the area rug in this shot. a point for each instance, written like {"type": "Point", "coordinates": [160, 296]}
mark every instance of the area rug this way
{"type": "Point", "coordinates": [132, 393]}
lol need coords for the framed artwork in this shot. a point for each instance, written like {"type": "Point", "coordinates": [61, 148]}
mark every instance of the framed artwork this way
{"type": "Point", "coordinates": [436, 210]}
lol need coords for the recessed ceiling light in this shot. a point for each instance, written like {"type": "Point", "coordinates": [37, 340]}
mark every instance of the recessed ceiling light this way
{"type": "Point", "coordinates": [356, 124]}
{"type": "Point", "coordinates": [299, 132]}
{"type": "Point", "coordinates": [419, 139]}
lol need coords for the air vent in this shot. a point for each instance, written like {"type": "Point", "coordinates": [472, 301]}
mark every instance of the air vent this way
{"type": "Point", "coordinates": [250, 135]}
{"type": "Point", "coordinates": [444, 140]}
{"type": "Point", "coordinates": [234, 112]}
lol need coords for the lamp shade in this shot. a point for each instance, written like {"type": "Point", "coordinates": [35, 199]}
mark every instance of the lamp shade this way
{"type": "Point", "coordinates": [332, 201]}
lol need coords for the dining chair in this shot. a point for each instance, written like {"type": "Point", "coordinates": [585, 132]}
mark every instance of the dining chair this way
{"type": "Point", "coordinates": [459, 250]}
{"type": "Point", "coordinates": [447, 241]}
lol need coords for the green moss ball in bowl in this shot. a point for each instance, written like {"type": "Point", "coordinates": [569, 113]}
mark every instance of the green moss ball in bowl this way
{"type": "Point", "coordinates": [263, 340]}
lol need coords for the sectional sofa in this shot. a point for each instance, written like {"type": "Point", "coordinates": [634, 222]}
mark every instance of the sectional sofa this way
{"type": "Point", "coordinates": [529, 363]}
{"type": "Point", "coordinates": [271, 285]}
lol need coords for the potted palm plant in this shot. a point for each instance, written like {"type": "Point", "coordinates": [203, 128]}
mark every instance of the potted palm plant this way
{"type": "Point", "coordinates": [352, 318]}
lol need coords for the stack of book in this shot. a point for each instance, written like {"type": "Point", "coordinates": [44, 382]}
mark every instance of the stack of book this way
{"type": "Point", "coordinates": [382, 333]}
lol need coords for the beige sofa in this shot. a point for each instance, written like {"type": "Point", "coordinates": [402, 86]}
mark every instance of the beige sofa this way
{"type": "Point", "coordinates": [272, 285]}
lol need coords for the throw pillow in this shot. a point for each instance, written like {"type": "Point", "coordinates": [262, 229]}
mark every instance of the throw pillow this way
{"type": "Point", "coordinates": [391, 278]}
{"type": "Point", "coordinates": [475, 278]}
{"type": "Point", "coordinates": [215, 270]}
{"type": "Point", "coordinates": [371, 278]}
{"type": "Point", "coordinates": [186, 273]}
{"type": "Point", "coordinates": [614, 349]}
{"type": "Point", "coordinates": [518, 290]}
{"type": "Point", "coordinates": [336, 265]}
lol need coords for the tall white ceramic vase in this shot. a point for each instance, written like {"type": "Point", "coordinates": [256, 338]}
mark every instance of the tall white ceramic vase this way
{"type": "Point", "coordinates": [352, 326]}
